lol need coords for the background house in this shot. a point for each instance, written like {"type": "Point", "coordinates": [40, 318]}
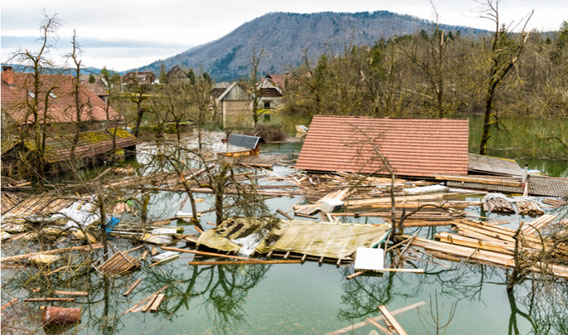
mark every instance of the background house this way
{"type": "Point", "coordinates": [57, 92]}
{"type": "Point", "coordinates": [235, 105]}
{"type": "Point", "coordinates": [146, 77]}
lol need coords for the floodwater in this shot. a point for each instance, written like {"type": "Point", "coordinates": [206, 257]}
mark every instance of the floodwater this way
{"type": "Point", "coordinates": [294, 298]}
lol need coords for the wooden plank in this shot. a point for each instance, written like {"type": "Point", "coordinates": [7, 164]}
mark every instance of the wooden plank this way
{"type": "Point", "coordinates": [156, 304]}
{"type": "Point", "coordinates": [205, 253]}
{"type": "Point", "coordinates": [282, 261]}
{"type": "Point", "coordinates": [131, 288]}
{"type": "Point", "coordinates": [351, 328]}
{"type": "Point", "coordinates": [284, 214]}
{"type": "Point", "coordinates": [151, 296]}
{"type": "Point", "coordinates": [48, 299]}
{"type": "Point", "coordinates": [9, 303]}
{"type": "Point", "coordinates": [75, 293]}
{"type": "Point", "coordinates": [390, 318]}
{"type": "Point", "coordinates": [376, 324]}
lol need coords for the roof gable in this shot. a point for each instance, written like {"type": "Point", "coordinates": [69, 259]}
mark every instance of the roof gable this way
{"type": "Point", "coordinates": [413, 147]}
{"type": "Point", "coordinates": [61, 101]}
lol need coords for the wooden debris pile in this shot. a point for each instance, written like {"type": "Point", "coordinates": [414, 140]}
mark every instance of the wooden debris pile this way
{"type": "Point", "coordinates": [118, 264]}
{"type": "Point", "coordinates": [529, 207]}
{"type": "Point", "coordinates": [488, 244]}
{"type": "Point", "coordinates": [498, 203]}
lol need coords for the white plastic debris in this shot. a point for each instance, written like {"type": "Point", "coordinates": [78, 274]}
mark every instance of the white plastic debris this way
{"type": "Point", "coordinates": [330, 205]}
{"type": "Point", "coordinates": [165, 255]}
{"type": "Point", "coordinates": [369, 259]}
{"type": "Point", "coordinates": [425, 190]}
{"type": "Point", "coordinates": [82, 212]}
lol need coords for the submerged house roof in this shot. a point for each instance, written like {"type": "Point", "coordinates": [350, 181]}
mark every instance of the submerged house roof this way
{"type": "Point", "coordinates": [244, 141]}
{"type": "Point", "coordinates": [17, 91]}
{"type": "Point", "coordinates": [90, 144]}
{"type": "Point", "coordinates": [413, 147]}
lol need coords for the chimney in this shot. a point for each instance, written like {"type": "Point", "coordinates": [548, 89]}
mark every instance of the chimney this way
{"type": "Point", "coordinates": [8, 75]}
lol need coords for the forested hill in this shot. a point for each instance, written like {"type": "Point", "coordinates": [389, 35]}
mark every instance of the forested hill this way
{"type": "Point", "coordinates": [286, 37]}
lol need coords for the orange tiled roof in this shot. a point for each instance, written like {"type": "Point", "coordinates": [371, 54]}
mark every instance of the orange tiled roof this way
{"type": "Point", "coordinates": [414, 147]}
{"type": "Point", "coordinates": [61, 102]}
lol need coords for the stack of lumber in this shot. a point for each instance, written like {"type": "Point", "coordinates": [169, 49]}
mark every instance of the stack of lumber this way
{"type": "Point", "coordinates": [529, 207]}
{"type": "Point", "coordinates": [539, 223]}
{"type": "Point", "coordinates": [9, 201]}
{"type": "Point", "coordinates": [499, 205]}
{"type": "Point", "coordinates": [554, 202]}
{"type": "Point", "coordinates": [120, 263]}
{"type": "Point", "coordinates": [488, 244]}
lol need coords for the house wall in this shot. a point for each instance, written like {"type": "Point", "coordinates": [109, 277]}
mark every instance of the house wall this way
{"type": "Point", "coordinates": [237, 114]}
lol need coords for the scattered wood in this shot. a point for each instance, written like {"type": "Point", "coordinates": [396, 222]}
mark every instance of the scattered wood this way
{"type": "Point", "coordinates": [282, 261]}
{"type": "Point", "coordinates": [390, 318]}
{"type": "Point", "coordinates": [120, 263]}
{"type": "Point", "coordinates": [499, 204]}
{"type": "Point", "coordinates": [205, 253]}
{"type": "Point", "coordinates": [541, 222]}
{"type": "Point", "coordinates": [554, 202]}
{"type": "Point", "coordinates": [376, 324]}
{"type": "Point", "coordinates": [284, 214]}
{"type": "Point", "coordinates": [145, 300]}
{"type": "Point", "coordinates": [351, 328]}
{"type": "Point", "coordinates": [50, 252]}
{"type": "Point", "coordinates": [132, 287]}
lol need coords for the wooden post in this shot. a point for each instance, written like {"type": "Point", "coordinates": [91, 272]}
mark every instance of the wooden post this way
{"type": "Point", "coordinates": [390, 318]}
{"type": "Point", "coordinates": [132, 287]}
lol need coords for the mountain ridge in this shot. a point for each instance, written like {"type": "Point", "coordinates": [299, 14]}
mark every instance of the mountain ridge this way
{"type": "Point", "coordinates": [288, 37]}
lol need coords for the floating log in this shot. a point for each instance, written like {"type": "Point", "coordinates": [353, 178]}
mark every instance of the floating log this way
{"type": "Point", "coordinates": [284, 214]}
{"type": "Point", "coordinates": [53, 315]}
{"type": "Point", "coordinates": [131, 288]}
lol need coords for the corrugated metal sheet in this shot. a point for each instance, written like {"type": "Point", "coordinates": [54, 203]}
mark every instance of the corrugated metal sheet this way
{"type": "Point", "coordinates": [244, 141]}
{"type": "Point", "coordinates": [493, 165]}
{"type": "Point", "coordinates": [414, 147]}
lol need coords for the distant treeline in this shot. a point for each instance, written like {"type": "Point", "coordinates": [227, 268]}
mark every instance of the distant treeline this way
{"type": "Point", "coordinates": [437, 74]}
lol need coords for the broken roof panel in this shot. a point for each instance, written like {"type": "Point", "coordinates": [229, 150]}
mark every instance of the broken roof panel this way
{"type": "Point", "coordinates": [493, 165]}
{"type": "Point", "coordinates": [244, 141]}
{"type": "Point", "coordinates": [413, 147]}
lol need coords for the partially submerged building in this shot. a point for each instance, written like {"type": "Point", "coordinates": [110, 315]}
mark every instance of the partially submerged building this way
{"type": "Point", "coordinates": [413, 147]}
{"type": "Point", "coordinates": [235, 106]}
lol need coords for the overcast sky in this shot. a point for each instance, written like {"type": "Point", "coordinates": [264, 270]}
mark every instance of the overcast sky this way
{"type": "Point", "coordinates": [124, 34]}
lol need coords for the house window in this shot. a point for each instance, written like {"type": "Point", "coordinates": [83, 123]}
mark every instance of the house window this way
{"type": "Point", "coordinates": [266, 117]}
{"type": "Point", "coordinates": [267, 104]}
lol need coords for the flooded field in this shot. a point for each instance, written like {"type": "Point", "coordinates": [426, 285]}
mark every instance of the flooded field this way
{"type": "Point", "coordinates": [289, 298]}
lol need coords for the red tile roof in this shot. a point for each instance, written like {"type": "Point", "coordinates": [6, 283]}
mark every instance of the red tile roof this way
{"type": "Point", "coordinates": [414, 147]}
{"type": "Point", "coordinates": [278, 79]}
{"type": "Point", "coordinates": [61, 101]}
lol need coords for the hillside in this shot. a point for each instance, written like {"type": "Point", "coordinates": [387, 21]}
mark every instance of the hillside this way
{"type": "Point", "coordinates": [286, 37]}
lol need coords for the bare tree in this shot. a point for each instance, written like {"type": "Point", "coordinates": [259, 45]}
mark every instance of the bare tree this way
{"type": "Point", "coordinates": [505, 53]}
{"type": "Point", "coordinates": [254, 85]}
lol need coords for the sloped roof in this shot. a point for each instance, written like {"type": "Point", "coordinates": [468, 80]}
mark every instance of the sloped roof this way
{"type": "Point", "coordinates": [278, 79]}
{"type": "Point", "coordinates": [61, 102]}
{"type": "Point", "coordinates": [89, 144]}
{"type": "Point", "coordinates": [413, 147]}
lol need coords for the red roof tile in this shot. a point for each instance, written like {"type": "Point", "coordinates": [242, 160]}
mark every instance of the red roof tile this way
{"type": "Point", "coordinates": [61, 101]}
{"type": "Point", "coordinates": [414, 147]}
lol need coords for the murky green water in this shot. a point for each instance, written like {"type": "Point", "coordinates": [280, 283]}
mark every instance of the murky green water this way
{"type": "Point", "coordinates": [298, 299]}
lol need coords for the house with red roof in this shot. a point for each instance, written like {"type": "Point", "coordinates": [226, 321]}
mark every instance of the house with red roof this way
{"type": "Point", "coordinates": [412, 147]}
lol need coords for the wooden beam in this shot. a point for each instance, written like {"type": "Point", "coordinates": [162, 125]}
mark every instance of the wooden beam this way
{"type": "Point", "coordinates": [75, 293]}
{"type": "Point", "coordinates": [49, 252]}
{"type": "Point", "coordinates": [392, 320]}
{"type": "Point", "coordinates": [351, 328]}
{"type": "Point", "coordinates": [277, 261]}
{"type": "Point", "coordinates": [376, 324]}
{"type": "Point", "coordinates": [131, 288]}
{"type": "Point", "coordinates": [48, 299]}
